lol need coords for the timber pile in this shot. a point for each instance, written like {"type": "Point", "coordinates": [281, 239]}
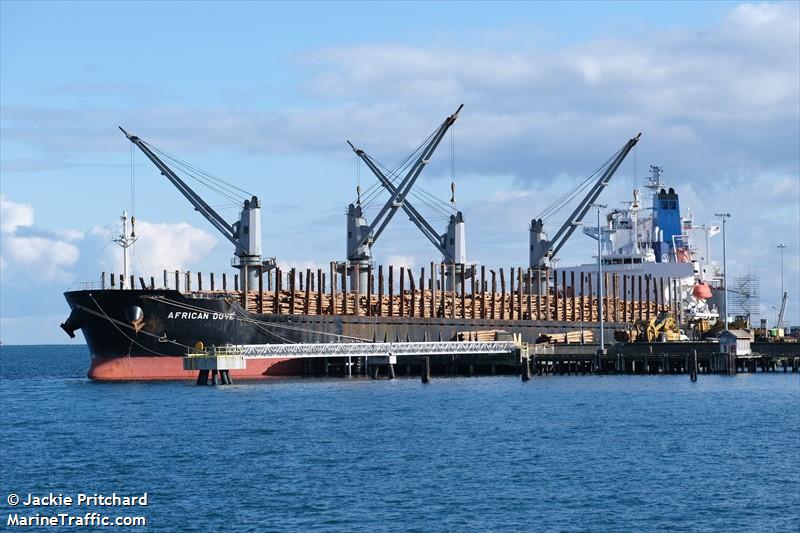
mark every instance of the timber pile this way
{"type": "Point", "coordinates": [418, 304]}
{"type": "Point", "coordinates": [569, 297]}
{"type": "Point", "coordinates": [570, 337]}
{"type": "Point", "coordinates": [485, 335]}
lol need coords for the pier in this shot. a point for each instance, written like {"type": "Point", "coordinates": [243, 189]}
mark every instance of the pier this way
{"type": "Point", "coordinates": [507, 355]}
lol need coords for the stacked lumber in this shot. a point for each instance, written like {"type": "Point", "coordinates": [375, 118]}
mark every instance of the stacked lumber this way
{"type": "Point", "coordinates": [569, 337]}
{"type": "Point", "coordinates": [571, 309]}
{"type": "Point", "coordinates": [485, 335]}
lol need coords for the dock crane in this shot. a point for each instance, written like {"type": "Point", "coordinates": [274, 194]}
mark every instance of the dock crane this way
{"type": "Point", "coordinates": [542, 249]}
{"type": "Point", "coordinates": [361, 235]}
{"type": "Point", "coordinates": [244, 234]}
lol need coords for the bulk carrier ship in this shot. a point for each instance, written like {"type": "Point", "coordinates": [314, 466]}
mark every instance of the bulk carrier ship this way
{"type": "Point", "coordinates": [142, 332]}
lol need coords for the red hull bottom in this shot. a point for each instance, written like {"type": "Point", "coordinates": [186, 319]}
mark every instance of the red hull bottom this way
{"type": "Point", "coordinates": [171, 368]}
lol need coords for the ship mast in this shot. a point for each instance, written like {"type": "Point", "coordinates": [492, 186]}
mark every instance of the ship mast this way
{"type": "Point", "coordinates": [125, 241]}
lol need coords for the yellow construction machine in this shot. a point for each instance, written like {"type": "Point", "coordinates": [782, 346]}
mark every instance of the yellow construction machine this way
{"type": "Point", "coordinates": [660, 328]}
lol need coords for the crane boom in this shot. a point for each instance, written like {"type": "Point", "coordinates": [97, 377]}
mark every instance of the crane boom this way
{"type": "Point", "coordinates": [543, 249]}
{"type": "Point", "coordinates": [199, 204]}
{"type": "Point", "coordinates": [397, 198]}
{"type": "Point", "coordinates": [414, 215]}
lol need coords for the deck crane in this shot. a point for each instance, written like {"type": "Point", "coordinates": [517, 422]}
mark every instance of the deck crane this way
{"type": "Point", "coordinates": [542, 249]}
{"type": "Point", "coordinates": [362, 235]}
{"type": "Point", "coordinates": [245, 234]}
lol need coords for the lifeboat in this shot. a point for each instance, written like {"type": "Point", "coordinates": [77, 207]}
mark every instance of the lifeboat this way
{"type": "Point", "coordinates": [701, 291]}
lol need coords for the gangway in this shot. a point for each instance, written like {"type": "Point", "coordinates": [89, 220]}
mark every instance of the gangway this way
{"type": "Point", "coordinates": [234, 357]}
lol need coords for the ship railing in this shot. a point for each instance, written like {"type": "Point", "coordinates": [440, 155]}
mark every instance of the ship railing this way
{"type": "Point", "coordinates": [91, 286]}
{"type": "Point", "coordinates": [229, 350]}
{"type": "Point", "coordinates": [360, 349]}
{"type": "Point", "coordinates": [371, 349]}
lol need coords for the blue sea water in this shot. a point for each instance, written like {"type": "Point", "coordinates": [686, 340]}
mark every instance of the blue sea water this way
{"type": "Point", "coordinates": [588, 453]}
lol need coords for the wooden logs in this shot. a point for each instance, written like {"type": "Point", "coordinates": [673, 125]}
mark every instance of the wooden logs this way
{"type": "Point", "coordinates": [566, 299]}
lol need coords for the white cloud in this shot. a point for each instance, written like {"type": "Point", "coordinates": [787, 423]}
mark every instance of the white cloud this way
{"type": "Point", "coordinates": [715, 100]}
{"type": "Point", "coordinates": [49, 255]}
{"type": "Point", "coordinates": [29, 253]}
{"type": "Point", "coordinates": [14, 215]}
{"type": "Point", "coordinates": [159, 246]}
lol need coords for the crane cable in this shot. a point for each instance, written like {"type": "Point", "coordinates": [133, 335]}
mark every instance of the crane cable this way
{"type": "Point", "coordinates": [406, 162]}
{"type": "Point", "coordinates": [571, 194]}
{"type": "Point", "coordinates": [220, 186]}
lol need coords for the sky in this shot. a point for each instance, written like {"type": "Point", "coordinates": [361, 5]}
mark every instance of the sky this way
{"type": "Point", "coordinates": [265, 95]}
